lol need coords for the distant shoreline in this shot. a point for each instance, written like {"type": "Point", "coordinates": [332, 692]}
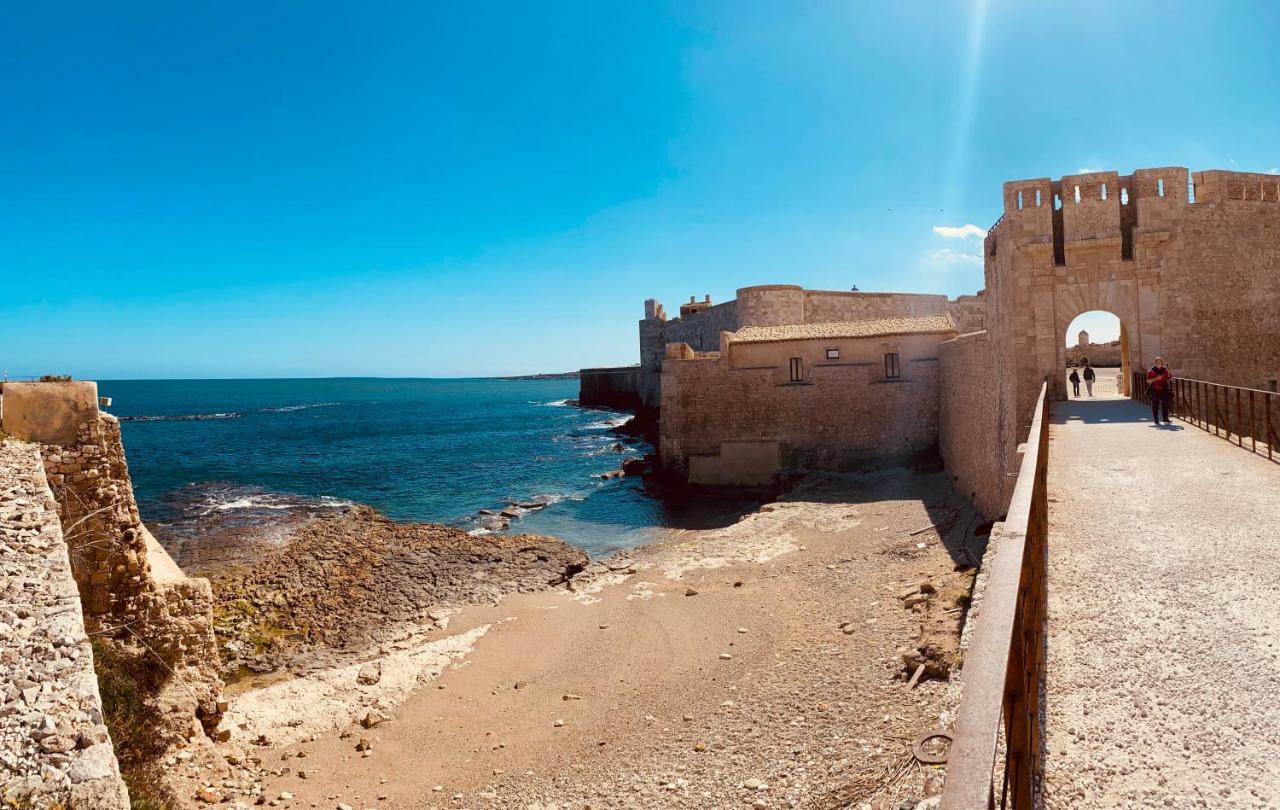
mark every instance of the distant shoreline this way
{"type": "Point", "coordinates": [566, 375]}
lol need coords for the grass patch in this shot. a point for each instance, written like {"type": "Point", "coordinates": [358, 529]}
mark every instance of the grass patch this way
{"type": "Point", "coordinates": [127, 679]}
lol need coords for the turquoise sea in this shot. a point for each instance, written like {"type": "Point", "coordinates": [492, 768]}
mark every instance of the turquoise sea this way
{"type": "Point", "coordinates": [435, 450]}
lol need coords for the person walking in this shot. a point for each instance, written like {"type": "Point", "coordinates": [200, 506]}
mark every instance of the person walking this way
{"type": "Point", "coordinates": [1089, 377]}
{"type": "Point", "coordinates": [1075, 382]}
{"type": "Point", "coordinates": [1160, 391]}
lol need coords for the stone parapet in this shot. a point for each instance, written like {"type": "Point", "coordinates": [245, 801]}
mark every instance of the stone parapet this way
{"type": "Point", "coordinates": [54, 746]}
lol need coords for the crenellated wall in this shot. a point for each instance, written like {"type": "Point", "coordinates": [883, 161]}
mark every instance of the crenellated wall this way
{"type": "Point", "coordinates": [1189, 263]}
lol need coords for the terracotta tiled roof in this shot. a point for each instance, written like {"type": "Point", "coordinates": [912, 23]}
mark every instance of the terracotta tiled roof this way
{"type": "Point", "coordinates": [915, 325]}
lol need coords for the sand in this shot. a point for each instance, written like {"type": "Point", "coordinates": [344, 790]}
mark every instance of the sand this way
{"type": "Point", "coordinates": [708, 670]}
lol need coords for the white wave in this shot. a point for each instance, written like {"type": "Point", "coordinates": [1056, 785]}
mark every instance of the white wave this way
{"type": "Point", "coordinates": [189, 417]}
{"type": "Point", "coordinates": [607, 424]}
{"type": "Point", "coordinates": [246, 502]}
{"type": "Point", "coordinates": [558, 403]}
{"type": "Point", "coordinates": [291, 408]}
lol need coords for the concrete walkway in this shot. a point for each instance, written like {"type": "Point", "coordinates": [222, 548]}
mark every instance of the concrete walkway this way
{"type": "Point", "coordinates": [1163, 682]}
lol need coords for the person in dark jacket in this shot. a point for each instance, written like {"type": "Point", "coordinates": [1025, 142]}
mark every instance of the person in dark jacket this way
{"type": "Point", "coordinates": [1160, 391]}
{"type": "Point", "coordinates": [1075, 381]}
{"type": "Point", "coordinates": [1089, 377]}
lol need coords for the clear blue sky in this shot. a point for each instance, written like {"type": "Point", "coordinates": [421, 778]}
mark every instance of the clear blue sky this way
{"type": "Point", "coordinates": [440, 189]}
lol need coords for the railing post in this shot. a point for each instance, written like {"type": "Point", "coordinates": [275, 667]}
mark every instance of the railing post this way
{"type": "Point", "coordinates": [1253, 424]}
{"type": "Point", "coordinates": [1271, 433]}
{"type": "Point", "coordinates": [1239, 417]}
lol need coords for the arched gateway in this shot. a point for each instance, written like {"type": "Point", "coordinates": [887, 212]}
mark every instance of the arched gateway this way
{"type": "Point", "coordinates": [1189, 264]}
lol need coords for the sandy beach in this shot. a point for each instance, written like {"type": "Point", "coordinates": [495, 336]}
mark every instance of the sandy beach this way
{"type": "Point", "coordinates": [759, 664]}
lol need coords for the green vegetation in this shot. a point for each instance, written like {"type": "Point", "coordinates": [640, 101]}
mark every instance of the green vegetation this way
{"type": "Point", "coordinates": [55, 378]}
{"type": "Point", "coordinates": [126, 679]}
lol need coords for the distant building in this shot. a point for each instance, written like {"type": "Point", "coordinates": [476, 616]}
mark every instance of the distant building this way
{"type": "Point", "coordinates": [816, 396]}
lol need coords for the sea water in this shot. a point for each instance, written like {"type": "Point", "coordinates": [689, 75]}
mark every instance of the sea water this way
{"type": "Point", "coordinates": [433, 450]}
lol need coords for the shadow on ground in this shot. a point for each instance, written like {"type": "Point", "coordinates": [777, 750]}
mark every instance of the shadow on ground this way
{"type": "Point", "coordinates": [1110, 410]}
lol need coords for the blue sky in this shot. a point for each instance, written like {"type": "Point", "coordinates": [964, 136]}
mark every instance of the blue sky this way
{"type": "Point", "coordinates": [442, 189]}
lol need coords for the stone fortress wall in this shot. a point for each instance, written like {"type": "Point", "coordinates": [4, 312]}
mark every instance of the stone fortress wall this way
{"type": "Point", "coordinates": [701, 322]}
{"type": "Point", "coordinates": [1189, 263]}
{"type": "Point", "coordinates": [615, 387]}
{"type": "Point", "coordinates": [54, 744]}
{"type": "Point", "coordinates": [735, 417]}
{"type": "Point", "coordinates": [134, 598]}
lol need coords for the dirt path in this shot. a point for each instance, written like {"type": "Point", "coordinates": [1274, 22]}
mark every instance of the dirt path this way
{"type": "Point", "coordinates": [1163, 683]}
{"type": "Point", "coordinates": [709, 671]}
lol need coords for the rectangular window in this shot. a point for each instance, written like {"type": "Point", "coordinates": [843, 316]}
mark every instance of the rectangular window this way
{"type": "Point", "coordinates": [892, 371]}
{"type": "Point", "coordinates": [797, 370]}
{"type": "Point", "coordinates": [833, 354]}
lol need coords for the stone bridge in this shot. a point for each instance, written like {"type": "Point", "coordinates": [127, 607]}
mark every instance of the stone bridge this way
{"type": "Point", "coordinates": [1125, 653]}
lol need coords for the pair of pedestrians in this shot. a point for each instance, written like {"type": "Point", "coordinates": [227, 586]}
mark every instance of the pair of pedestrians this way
{"type": "Point", "coordinates": [1089, 377]}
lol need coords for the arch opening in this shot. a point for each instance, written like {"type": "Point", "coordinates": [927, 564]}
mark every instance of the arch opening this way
{"type": "Point", "coordinates": [1100, 340]}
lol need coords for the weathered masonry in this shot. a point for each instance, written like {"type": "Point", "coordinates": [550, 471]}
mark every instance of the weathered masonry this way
{"type": "Point", "coordinates": [824, 396]}
{"type": "Point", "coordinates": [701, 322]}
{"type": "Point", "coordinates": [54, 746]}
{"type": "Point", "coordinates": [1189, 263]}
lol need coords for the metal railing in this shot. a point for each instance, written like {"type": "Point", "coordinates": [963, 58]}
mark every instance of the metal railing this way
{"type": "Point", "coordinates": [1248, 416]}
{"type": "Point", "coordinates": [1004, 664]}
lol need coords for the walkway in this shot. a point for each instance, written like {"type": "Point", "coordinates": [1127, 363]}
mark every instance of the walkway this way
{"type": "Point", "coordinates": [1163, 681]}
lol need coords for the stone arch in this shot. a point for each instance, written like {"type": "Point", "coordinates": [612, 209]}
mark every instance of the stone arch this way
{"type": "Point", "coordinates": [1122, 294]}
{"type": "Point", "coordinates": [1126, 352]}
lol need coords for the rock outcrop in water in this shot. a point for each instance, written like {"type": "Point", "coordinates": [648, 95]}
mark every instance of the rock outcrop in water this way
{"type": "Point", "coordinates": [352, 578]}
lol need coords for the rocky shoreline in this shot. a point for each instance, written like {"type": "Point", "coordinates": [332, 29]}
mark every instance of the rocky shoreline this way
{"type": "Point", "coordinates": [340, 583]}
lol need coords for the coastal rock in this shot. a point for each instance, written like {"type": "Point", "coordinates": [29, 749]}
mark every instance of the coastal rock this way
{"type": "Point", "coordinates": [346, 581]}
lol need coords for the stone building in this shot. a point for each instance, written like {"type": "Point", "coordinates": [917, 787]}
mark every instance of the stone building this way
{"type": "Point", "coordinates": [1188, 263]}
{"type": "Point", "coordinates": [817, 396]}
{"type": "Point", "coordinates": [701, 322]}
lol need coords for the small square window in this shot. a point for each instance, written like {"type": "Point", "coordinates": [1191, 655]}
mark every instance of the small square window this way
{"type": "Point", "coordinates": [892, 369]}
{"type": "Point", "coordinates": [797, 370]}
{"type": "Point", "coordinates": [833, 354]}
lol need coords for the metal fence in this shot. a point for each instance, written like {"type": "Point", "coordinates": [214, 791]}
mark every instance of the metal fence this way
{"type": "Point", "coordinates": [1247, 416]}
{"type": "Point", "coordinates": [995, 758]}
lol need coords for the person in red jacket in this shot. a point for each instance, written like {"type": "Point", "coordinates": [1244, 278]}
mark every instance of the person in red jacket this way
{"type": "Point", "coordinates": [1160, 391]}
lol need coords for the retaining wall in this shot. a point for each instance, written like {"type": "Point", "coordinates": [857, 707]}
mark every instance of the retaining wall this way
{"type": "Point", "coordinates": [54, 746]}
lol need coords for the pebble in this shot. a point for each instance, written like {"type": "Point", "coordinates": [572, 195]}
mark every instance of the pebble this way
{"type": "Point", "coordinates": [559, 723]}
{"type": "Point", "coordinates": [725, 656]}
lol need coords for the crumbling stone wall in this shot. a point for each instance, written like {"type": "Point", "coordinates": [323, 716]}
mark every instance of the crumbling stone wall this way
{"type": "Point", "coordinates": [54, 745]}
{"type": "Point", "coordinates": [125, 602]}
